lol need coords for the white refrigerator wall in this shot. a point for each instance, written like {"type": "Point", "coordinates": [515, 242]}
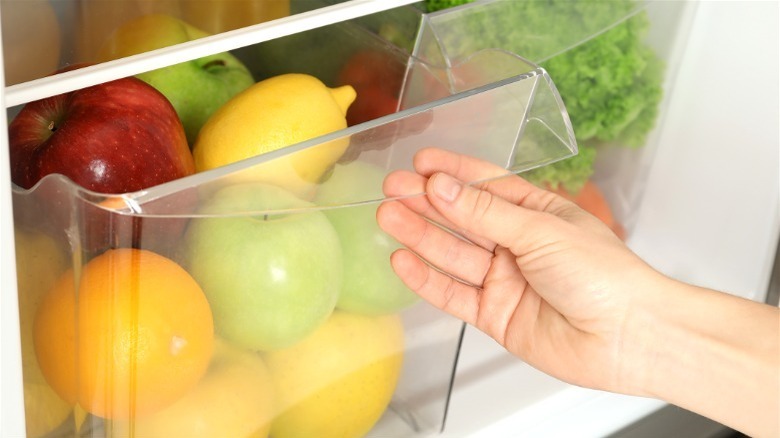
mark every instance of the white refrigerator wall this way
{"type": "Point", "coordinates": [710, 211]}
{"type": "Point", "coordinates": [708, 215]}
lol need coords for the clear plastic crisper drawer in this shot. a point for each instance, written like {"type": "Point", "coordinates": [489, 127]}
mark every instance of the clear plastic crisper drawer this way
{"type": "Point", "coordinates": [254, 297]}
{"type": "Point", "coordinates": [614, 63]}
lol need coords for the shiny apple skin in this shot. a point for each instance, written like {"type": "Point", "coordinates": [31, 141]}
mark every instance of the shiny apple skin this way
{"type": "Point", "coordinates": [117, 137]}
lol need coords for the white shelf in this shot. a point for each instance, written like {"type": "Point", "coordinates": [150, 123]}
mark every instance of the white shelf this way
{"type": "Point", "coordinates": [167, 56]}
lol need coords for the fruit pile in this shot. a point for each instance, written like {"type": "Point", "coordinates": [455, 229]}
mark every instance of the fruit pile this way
{"type": "Point", "coordinates": [261, 313]}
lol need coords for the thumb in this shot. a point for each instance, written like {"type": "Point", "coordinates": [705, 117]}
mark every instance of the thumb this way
{"type": "Point", "coordinates": [485, 214]}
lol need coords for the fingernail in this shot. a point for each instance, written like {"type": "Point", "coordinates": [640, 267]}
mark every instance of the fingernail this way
{"type": "Point", "coordinates": [446, 187]}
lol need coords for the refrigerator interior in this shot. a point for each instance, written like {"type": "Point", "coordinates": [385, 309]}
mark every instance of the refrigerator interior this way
{"type": "Point", "coordinates": [700, 200]}
{"type": "Point", "coordinates": [709, 215]}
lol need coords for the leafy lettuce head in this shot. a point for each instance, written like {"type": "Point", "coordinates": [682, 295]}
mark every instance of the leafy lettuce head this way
{"type": "Point", "coordinates": [595, 51]}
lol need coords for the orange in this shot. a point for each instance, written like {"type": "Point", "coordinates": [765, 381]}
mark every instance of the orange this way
{"type": "Point", "coordinates": [32, 40]}
{"type": "Point", "coordinates": [216, 16]}
{"type": "Point", "coordinates": [135, 337]}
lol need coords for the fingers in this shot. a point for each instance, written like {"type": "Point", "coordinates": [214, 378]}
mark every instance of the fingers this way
{"type": "Point", "coordinates": [441, 248]}
{"type": "Point", "coordinates": [432, 160]}
{"type": "Point", "coordinates": [503, 193]}
{"type": "Point", "coordinates": [442, 291]}
{"type": "Point", "coordinates": [485, 176]}
{"type": "Point", "coordinates": [492, 308]}
{"type": "Point", "coordinates": [404, 185]}
{"type": "Point", "coordinates": [502, 293]}
{"type": "Point", "coordinates": [483, 213]}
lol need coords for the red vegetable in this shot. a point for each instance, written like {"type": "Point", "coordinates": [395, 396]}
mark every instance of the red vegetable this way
{"type": "Point", "coordinates": [377, 78]}
{"type": "Point", "coordinates": [592, 200]}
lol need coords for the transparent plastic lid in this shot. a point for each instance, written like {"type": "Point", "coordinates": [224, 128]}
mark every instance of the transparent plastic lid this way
{"type": "Point", "coordinates": [497, 107]}
{"type": "Point", "coordinates": [289, 243]}
{"type": "Point", "coordinates": [536, 30]}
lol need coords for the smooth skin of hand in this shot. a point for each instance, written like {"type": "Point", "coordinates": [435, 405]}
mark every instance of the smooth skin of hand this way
{"type": "Point", "coordinates": [557, 288]}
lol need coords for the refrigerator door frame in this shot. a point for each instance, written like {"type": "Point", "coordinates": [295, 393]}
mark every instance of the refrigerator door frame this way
{"type": "Point", "coordinates": [11, 390]}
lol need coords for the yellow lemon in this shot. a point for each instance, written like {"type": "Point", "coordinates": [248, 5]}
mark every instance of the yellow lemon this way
{"type": "Point", "coordinates": [338, 381]}
{"type": "Point", "coordinates": [234, 399]}
{"type": "Point", "coordinates": [271, 114]}
{"type": "Point", "coordinates": [39, 262]}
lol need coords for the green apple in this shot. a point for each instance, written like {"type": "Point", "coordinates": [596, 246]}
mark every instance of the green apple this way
{"type": "Point", "coordinates": [371, 286]}
{"type": "Point", "coordinates": [195, 88]}
{"type": "Point", "coordinates": [271, 278]}
{"type": "Point", "coordinates": [234, 399]}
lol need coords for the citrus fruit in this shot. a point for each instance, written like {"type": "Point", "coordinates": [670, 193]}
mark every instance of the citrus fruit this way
{"type": "Point", "coordinates": [31, 40]}
{"type": "Point", "coordinates": [234, 399]}
{"type": "Point", "coordinates": [216, 16]}
{"type": "Point", "coordinates": [95, 21]}
{"type": "Point", "coordinates": [338, 381]}
{"type": "Point", "coordinates": [195, 88]}
{"type": "Point", "coordinates": [39, 262]}
{"type": "Point", "coordinates": [134, 336]}
{"type": "Point", "coordinates": [271, 114]}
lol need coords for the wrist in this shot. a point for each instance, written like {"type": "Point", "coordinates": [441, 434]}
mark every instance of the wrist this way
{"type": "Point", "coordinates": [711, 353]}
{"type": "Point", "coordinates": [644, 334]}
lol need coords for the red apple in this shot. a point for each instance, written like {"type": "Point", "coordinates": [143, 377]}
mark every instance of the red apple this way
{"type": "Point", "coordinates": [117, 137]}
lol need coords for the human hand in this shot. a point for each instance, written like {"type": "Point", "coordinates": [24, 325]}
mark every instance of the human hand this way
{"type": "Point", "coordinates": [556, 287]}
{"type": "Point", "coordinates": [545, 279]}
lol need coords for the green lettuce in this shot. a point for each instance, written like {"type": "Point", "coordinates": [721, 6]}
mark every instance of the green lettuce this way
{"type": "Point", "coordinates": [611, 84]}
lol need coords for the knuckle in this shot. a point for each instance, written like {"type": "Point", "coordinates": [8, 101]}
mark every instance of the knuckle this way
{"type": "Point", "coordinates": [448, 296]}
{"type": "Point", "coordinates": [419, 238]}
{"type": "Point", "coordinates": [482, 205]}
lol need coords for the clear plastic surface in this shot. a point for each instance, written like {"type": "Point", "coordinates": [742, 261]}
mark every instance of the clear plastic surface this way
{"type": "Point", "coordinates": [536, 31]}
{"type": "Point", "coordinates": [110, 309]}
